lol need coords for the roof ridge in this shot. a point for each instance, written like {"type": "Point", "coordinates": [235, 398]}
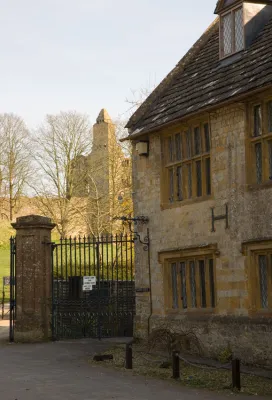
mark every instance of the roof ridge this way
{"type": "Point", "coordinates": [166, 82]}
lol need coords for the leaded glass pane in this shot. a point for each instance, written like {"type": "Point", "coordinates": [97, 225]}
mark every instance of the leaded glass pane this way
{"type": "Point", "coordinates": [239, 29]}
{"type": "Point", "coordinates": [183, 284]}
{"type": "Point", "coordinates": [259, 162]}
{"type": "Point", "coordinates": [212, 289]}
{"type": "Point", "coordinates": [202, 283]}
{"type": "Point", "coordinates": [171, 185]}
{"type": "Point", "coordinates": [170, 149]}
{"type": "Point", "coordinates": [188, 144]}
{"type": "Point", "coordinates": [174, 285]}
{"type": "Point", "coordinates": [178, 147]}
{"type": "Point", "coordinates": [179, 183]}
{"type": "Point", "coordinates": [263, 281]}
{"type": "Point", "coordinates": [208, 176]}
{"type": "Point", "coordinates": [189, 180]}
{"type": "Point", "coordinates": [207, 137]}
{"type": "Point", "coordinates": [269, 115]}
{"type": "Point", "coordinates": [193, 284]}
{"type": "Point", "coordinates": [257, 120]}
{"type": "Point", "coordinates": [270, 159]}
{"type": "Point", "coordinates": [198, 179]}
{"type": "Point", "coordinates": [197, 141]}
{"type": "Point", "coordinates": [227, 34]}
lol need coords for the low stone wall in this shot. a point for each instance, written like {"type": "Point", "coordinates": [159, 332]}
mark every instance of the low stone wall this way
{"type": "Point", "coordinates": [248, 339]}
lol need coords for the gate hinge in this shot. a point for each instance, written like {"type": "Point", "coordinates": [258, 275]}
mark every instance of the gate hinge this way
{"type": "Point", "coordinates": [52, 244]}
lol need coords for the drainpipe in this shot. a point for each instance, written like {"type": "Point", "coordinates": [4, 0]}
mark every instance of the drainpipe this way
{"type": "Point", "coordinates": [150, 285]}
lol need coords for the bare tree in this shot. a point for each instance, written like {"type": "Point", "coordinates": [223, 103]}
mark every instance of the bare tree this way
{"type": "Point", "coordinates": [124, 186]}
{"type": "Point", "coordinates": [138, 96]}
{"type": "Point", "coordinates": [94, 210]}
{"type": "Point", "coordinates": [61, 142]}
{"type": "Point", "coordinates": [14, 159]}
{"type": "Point", "coordinates": [121, 133]}
{"type": "Point", "coordinates": [120, 177]}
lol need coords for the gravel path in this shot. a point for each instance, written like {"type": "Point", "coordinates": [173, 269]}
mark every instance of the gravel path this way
{"type": "Point", "coordinates": [60, 371]}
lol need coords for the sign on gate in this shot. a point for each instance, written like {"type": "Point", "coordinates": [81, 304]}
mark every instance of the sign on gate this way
{"type": "Point", "coordinates": [88, 283]}
{"type": "Point", "coordinates": [6, 280]}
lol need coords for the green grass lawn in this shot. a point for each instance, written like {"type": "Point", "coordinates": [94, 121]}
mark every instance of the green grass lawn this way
{"type": "Point", "coordinates": [70, 259]}
{"type": "Point", "coordinates": [6, 232]}
{"type": "Point", "coordinates": [116, 260]}
{"type": "Point", "coordinates": [4, 270]}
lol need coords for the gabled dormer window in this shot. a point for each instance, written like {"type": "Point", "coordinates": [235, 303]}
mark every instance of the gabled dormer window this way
{"type": "Point", "coordinates": [231, 32]}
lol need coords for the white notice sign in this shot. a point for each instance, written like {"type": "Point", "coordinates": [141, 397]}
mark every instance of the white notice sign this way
{"type": "Point", "coordinates": [88, 283]}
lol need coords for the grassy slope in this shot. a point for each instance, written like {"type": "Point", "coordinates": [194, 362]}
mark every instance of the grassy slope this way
{"type": "Point", "coordinates": [4, 270]}
{"type": "Point", "coordinates": [87, 257]}
{"type": "Point", "coordinates": [5, 233]}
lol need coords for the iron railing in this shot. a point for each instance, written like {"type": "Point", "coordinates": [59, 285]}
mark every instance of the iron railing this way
{"type": "Point", "coordinates": [12, 314]}
{"type": "Point", "coordinates": [107, 308]}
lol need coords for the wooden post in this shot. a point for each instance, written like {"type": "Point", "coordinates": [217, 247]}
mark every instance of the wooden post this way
{"type": "Point", "coordinates": [236, 374]}
{"type": "Point", "coordinates": [175, 365]}
{"type": "Point", "coordinates": [128, 356]}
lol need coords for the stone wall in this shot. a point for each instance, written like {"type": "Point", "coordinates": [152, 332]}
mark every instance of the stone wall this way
{"type": "Point", "coordinates": [250, 217]}
{"type": "Point", "coordinates": [248, 339]}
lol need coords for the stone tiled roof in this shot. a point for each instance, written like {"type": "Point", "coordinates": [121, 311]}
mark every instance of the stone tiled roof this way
{"type": "Point", "coordinates": [201, 80]}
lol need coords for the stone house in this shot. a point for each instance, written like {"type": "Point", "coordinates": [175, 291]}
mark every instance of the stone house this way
{"type": "Point", "coordinates": [103, 178]}
{"type": "Point", "coordinates": [202, 174]}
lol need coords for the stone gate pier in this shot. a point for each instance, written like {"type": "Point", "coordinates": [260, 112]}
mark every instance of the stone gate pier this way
{"type": "Point", "coordinates": [33, 277]}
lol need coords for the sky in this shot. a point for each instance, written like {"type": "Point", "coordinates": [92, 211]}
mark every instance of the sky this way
{"type": "Point", "coordinates": [84, 55]}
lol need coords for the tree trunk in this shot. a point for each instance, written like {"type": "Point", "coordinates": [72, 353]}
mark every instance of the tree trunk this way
{"type": "Point", "coordinates": [10, 202]}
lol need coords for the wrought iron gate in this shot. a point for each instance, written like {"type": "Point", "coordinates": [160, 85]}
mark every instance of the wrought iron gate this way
{"type": "Point", "coordinates": [12, 304]}
{"type": "Point", "coordinates": [93, 287]}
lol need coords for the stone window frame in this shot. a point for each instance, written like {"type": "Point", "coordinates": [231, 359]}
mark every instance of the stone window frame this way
{"type": "Point", "coordinates": [168, 258]}
{"type": "Point", "coordinates": [172, 165]}
{"type": "Point", "coordinates": [231, 11]}
{"type": "Point", "coordinates": [253, 250]}
{"type": "Point", "coordinates": [263, 138]}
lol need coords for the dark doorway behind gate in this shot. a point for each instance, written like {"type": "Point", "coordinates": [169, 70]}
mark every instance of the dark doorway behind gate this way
{"type": "Point", "coordinates": [93, 287]}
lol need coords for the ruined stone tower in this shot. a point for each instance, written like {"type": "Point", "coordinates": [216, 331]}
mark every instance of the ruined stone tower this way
{"type": "Point", "coordinates": [104, 143]}
{"type": "Point", "coordinates": [107, 176]}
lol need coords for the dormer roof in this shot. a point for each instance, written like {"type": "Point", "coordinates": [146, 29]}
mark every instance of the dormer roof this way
{"type": "Point", "coordinates": [225, 4]}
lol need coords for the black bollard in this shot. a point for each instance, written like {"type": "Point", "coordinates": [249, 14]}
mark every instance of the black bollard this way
{"type": "Point", "coordinates": [128, 356]}
{"type": "Point", "coordinates": [236, 374]}
{"type": "Point", "coordinates": [175, 365]}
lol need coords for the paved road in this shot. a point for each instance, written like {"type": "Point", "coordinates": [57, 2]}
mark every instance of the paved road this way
{"type": "Point", "coordinates": [60, 371]}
